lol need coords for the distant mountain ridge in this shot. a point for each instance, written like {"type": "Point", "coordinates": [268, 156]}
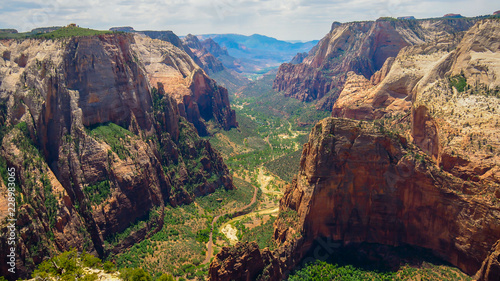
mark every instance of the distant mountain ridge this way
{"type": "Point", "coordinates": [256, 54]}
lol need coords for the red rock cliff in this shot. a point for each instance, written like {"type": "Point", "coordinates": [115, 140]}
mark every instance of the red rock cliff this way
{"type": "Point", "coordinates": [357, 184]}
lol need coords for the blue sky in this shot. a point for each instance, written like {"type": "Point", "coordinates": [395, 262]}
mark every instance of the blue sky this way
{"type": "Point", "coordinates": [282, 19]}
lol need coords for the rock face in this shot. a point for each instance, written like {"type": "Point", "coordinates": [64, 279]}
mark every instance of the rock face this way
{"type": "Point", "coordinates": [215, 49]}
{"type": "Point", "coordinates": [9, 31]}
{"type": "Point", "coordinates": [98, 141]}
{"type": "Point", "coordinates": [357, 184]}
{"type": "Point", "coordinates": [361, 47]}
{"type": "Point", "coordinates": [204, 58]}
{"type": "Point", "coordinates": [123, 29]}
{"type": "Point", "coordinates": [244, 261]}
{"type": "Point", "coordinates": [299, 58]}
{"type": "Point", "coordinates": [456, 125]}
{"type": "Point", "coordinates": [490, 269]}
{"type": "Point", "coordinates": [453, 16]}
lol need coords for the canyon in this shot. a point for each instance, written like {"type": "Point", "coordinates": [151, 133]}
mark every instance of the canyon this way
{"type": "Point", "coordinates": [116, 135]}
{"type": "Point", "coordinates": [103, 131]}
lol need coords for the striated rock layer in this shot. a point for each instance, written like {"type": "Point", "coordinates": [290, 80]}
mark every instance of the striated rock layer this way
{"type": "Point", "coordinates": [361, 47]}
{"type": "Point", "coordinates": [449, 90]}
{"type": "Point", "coordinates": [98, 140]}
{"type": "Point", "coordinates": [208, 52]}
{"type": "Point", "coordinates": [404, 78]}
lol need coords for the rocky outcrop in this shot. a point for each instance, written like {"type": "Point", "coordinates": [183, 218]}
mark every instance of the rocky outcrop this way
{"type": "Point", "coordinates": [460, 97]}
{"type": "Point", "coordinates": [304, 82]}
{"type": "Point", "coordinates": [358, 184]}
{"type": "Point", "coordinates": [208, 52]}
{"type": "Point", "coordinates": [8, 31]}
{"type": "Point", "coordinates": [244, 261]}
{"type": "Point", "coordinates": [299, 58]}
{"type": "Point", "coordinates": [122, 29]}
{"type": "Point", "coordinates": [453, 16]}
{"type": "Point", "coordinates": [206, 55]}
{"type": "Point", "coordinates": [97, 143]}
{"type": "Point", "coordinates": [361, 47]}
{"type": "Point", "coordinates": [209, 63]}
{"type": "Point", "coordinates": [199, 97]}
{"type": "Point", "coordinates": [448, 119]}
{"type": "Point", "coordinates": [490, 269]}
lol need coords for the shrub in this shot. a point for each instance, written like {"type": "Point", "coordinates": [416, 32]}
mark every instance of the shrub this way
{"type": "Point", "coordinates": [165, 277]}
{"type": "Point", "coordinates": [134, 274]}
{"type": "Point", "coordinates": [458, 82]}
{"type": "Point", "coordinates": [64, 266]}
{"type": "Point", "coordinates": [109, 266]}
{"type": "Point", "coordinates": [89, 260]}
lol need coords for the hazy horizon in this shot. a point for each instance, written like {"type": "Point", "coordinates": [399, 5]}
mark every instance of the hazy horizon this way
{"type": "Point", "coordinates": [282, 19]}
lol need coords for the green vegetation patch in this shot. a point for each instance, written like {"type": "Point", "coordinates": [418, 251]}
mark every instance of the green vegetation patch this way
{"type": "Point", "coordinates": [178, 248]}
{"type": "Point", "coordinates": [458, 82]}
{"type": "Point", "coordinates": [375, 262]}
{"type": "Point", "coordinates": [134, 274]}
{"type": "Point", "coordinates": [71, 31]}
{"type": "Point", "coordinates": [262, 234]}
{"type": "Point", "coordinates": [150, 217]}
{"type": "Point", "coordinates": [286, 166]}
{"type": "Point", "coordinates": [115, 136]}
{"type": "Point", "coordinates": [70, 266]}
{"type": "Point", "coordinates": [64, 32]}
{"type": "Point", "coordinates": [322, 270]}
{"type": "Point", "coordinates": [98, 192]}
{"type": "Point", "coordinates": [221, 200]}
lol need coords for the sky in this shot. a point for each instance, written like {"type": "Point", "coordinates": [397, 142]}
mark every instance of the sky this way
{"type": "Point", "coordinates": [282, 19]}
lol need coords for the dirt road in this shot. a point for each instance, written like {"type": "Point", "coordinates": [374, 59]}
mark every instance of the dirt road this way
{"type": "Point", "coordinates": [210, 250]}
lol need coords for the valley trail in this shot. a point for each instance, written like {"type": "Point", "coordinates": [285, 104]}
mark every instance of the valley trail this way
{"type": "Point", "coordinates": [210, 249]}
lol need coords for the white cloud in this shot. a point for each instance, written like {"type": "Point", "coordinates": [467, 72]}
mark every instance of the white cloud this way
{"type": "Point", "coordinates": [284, 19]}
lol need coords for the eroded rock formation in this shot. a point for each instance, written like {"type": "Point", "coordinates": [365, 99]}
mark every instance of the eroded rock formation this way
{"type": "Point", "coordinates": [199, 97]}
{"type": "Point", "coordinates": [437, 188]}
{"type": "Point", "coordinates": [244, 261]}
{"type": "Point", "coordinates": [361, 47]}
